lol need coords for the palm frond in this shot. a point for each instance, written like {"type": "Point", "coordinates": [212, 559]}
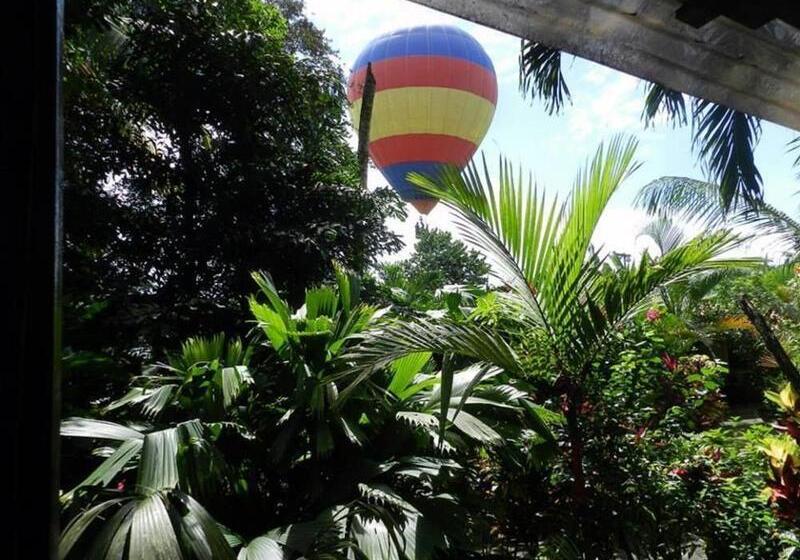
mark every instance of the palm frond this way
{"type": "Point", "coordinates": [158, 467]}
{"type": "Point", "coordinates": [769, 220]}
{"type": "Point", "coordinates": [152, 534]}
{"type": "Point", "coordinates": [378, 349]}
{"type": "Point", "coordinates": [109, 469]}
{"type": "Point", "coordinates": [98, 429]}
{"type": "Point", "coordinates": [660, 99]}
{"type": "Point", "coordinates": [262, 548]}
{"type": "Point", "coordinates": [78, 525]}
{"type": "Point", "coordinates": [541, 76]}
{"type": "Point", "coordinates": [540, 248]}
{"type": "Point", "coordinates": [794, 146]}
{"type": "Point", "coordinates": [160, 526]}
{"type": "Point", "coordinates": [664, 233]}
{"type": "Point", "coordinates": [685, 199]}
{"type": "Point", "coordinates": [725, 139]}
{"type": "Point", "coordinates": [691, 200]}
{"type": "Point", "coordinates": [405, 369]}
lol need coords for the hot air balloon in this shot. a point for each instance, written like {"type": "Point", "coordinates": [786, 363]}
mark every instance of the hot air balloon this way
{"type": "Point", "coordinates": [435, 95]}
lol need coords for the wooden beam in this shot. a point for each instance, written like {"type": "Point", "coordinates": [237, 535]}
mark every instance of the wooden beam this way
{"type": "Point", "coordinates": [755, 71]}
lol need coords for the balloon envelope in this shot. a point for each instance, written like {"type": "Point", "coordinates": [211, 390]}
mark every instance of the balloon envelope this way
{"type": "Point", "coordinates": [435, 96]}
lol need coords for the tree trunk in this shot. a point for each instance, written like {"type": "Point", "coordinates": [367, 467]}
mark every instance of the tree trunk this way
{"type": "Point", "coordinates": [771, 342]}
{"type": "Point", "coordinates": [364, 123]}
{"type": "Point", "coordinates": [574, 400]}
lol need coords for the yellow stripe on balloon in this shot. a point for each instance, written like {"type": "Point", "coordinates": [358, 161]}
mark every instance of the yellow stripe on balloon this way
{"type": "Point", "coordinates": [427, 110]}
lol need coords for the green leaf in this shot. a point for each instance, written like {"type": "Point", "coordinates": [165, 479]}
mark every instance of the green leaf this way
{"type": "Point", "coordinates": [201, 532]}
{"type": "Point", "coordinates": [110, 468]}
{"type": "Point", "coordinates": [725, 140]}
{"type": "Point", "coordinates": [233, 381]}
{"type": "Point", "coordinates": [98, 429]}
{"type": "Point", "coordinates": [540, 75]}
{"type": "Point", "coordinates": [271, 322]}
{"type": "Point", "coordinates": [262, 548]}
{"type": "Point", "coordinates": [73, 531]}
{"type": "Point", "coordinates": [474, 428]}
{"type": "Point", "coordinates": [380, 348]}
{"type": "Point", "coordinates": [267, 286]}
{"type": "Point", "coordinates": [660, 99]}
{"type": "Point", "coordinates": [405, 369]}
{"type": "Point", "coordinates": [158, 468]}
{"type": "Point", "coordinates": [151, 533]}
{"type": "Point", "coordinates": [321, 302]}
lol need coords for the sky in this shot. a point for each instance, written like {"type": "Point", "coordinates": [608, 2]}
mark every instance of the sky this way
{"type": "Point", "coordinates": [605, 102]}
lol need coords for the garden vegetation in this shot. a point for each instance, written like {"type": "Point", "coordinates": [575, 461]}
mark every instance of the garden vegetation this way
{"type": "Point", "coordinates": [245, 380]}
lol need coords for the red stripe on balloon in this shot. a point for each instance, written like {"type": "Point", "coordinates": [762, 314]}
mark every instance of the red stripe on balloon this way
{"type": "Point", "coordinates": [405, 148]}
{"type": "Point", "coordinates": [426, 71]}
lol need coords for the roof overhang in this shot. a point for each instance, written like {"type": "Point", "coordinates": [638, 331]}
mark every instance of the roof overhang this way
{"type": "Point", "coordinates": [704, 48]}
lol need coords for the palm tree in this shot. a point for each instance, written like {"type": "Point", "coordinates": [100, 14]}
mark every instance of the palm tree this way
{"type": "Point", "coordinates": [557, 285]}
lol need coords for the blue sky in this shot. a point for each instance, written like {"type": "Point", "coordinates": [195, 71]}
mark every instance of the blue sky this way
{"type": "Point", "coordinates": [604, 103]}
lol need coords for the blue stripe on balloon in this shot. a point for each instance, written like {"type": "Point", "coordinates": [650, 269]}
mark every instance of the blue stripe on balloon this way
{"type": "Point", "coordinates": [396, 175]}
{"type": "Point", "coordinates": [436, 40]}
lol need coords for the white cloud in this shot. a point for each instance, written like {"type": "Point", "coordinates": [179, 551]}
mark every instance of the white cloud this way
{"type": "Point", "coordinates": [607, 102]}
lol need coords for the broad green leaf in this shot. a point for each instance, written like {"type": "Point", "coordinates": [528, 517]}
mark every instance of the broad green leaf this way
{"type": "Point", "coordinates": [474, 428]}
{"type": "Point", "coordinates": [111, 467]}
{"type": "Point", "coordinates": [405, 369]}
{"type": "Point", "coordinates": [262, 548]}
{"type": "Point", "coordinates": [73, 531]}
{"type": "Point", "coordinates": [158, 468]}
{"type": "Point", "coordinates": [202, 533]}
{"type": "Point", "coordinates": [152, 536]}
{"type": "Point", "coordinates": [97, 429]}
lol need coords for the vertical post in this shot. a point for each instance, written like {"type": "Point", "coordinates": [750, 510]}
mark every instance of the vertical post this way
{"type": "Point", "coordinates": [30, 237]}
{"type": "Point", "coordinates": [364, 123]}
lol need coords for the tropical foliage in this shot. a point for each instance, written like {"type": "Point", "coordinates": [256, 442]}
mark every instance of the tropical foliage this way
{"type": "Point", "coordinates": [182, 118]}
{"type": "Point", "coordinates": [287, 454]}
{"type": "Point", "coordinates": [515, 391]}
